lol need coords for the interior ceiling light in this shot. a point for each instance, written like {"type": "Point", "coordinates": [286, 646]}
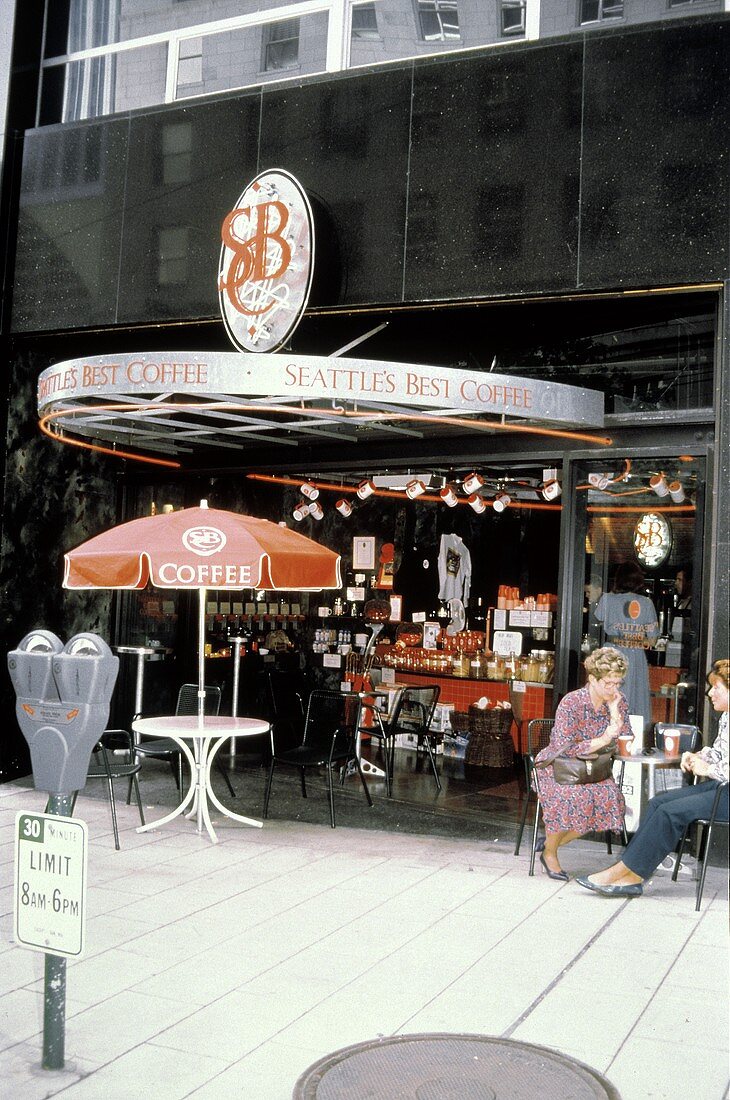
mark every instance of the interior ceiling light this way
{"type": "Point", "coordinates": [366, 489]}
{"type": "Point", "coordinates": [344, 507]}
{"type": "Point", "coordinates": [658, 483]}
{"type": "Point", "coordinates": [501, 501]}
{"type": "Point", "coordinates": [302, 509]}
{"type": "Point", "coordinates": [551, 490]}
{"type": "Point", "coordinates": [473, 483]}
{"type": "Point", "coordinates": [676, 491]}
{"type": "Point", "coordinates": [448, 496]}
{"type": "Point", "coordinates": [316, 510]}
{"type": "Point", "coordinates": [311, 492]}
{"type": "Point", "coordinates": [415, 488]}
{"type": "Point", "coordinates": [476, 502]}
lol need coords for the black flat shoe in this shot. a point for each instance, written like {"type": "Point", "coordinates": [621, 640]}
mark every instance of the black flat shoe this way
{"type": "Point", "coordinates": [559, 876]}
{"type": "Point", "coordinates": [619, 890]}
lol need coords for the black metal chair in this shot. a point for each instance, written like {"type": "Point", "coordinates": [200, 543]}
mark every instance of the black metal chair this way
{"type": "Point", "coordinates": [538, 737]}
{"type": "Point", "coordinates": [113, 757]}
{"type": "Point", "coordinates": [164, 748]}
{"type": "Point", "coordinates": [329, 738]}
{"type": "Point", "coordinates": [703, 842]}
{"type": "Point", "coordinates": [690, 740]}
{"type": "Point", "coordinates": [286, 708]}
{"type": "Point", "coordinates": [412, 714]}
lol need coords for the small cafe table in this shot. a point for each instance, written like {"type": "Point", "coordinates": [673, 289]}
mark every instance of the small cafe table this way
{"type": "Point", "coordinates": [207, 734]}
{"type": "Point", "coordinates": [651, 760]}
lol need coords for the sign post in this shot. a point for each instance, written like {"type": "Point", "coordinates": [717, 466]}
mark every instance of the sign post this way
{"type": "Point", "coordinates": [50, 905]}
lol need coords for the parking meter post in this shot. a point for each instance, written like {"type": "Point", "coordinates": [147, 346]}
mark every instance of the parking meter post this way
{"type": "Point", "coordinates": [54, 993]}
{"type": "Point", "coordinates": [63, 694]}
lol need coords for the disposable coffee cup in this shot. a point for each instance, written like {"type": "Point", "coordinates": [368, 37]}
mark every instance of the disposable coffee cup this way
{"type": "Point", "coordinates": [671, 744]}
{"type": "Point", "coordinates": [624, 745]}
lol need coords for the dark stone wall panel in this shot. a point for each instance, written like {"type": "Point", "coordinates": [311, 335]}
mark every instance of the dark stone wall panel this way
{"type": "Point", "coordinates": [70, 226]}
{"type": "Point", "coordinates": [494, 174]}
{"type": "Point", "coordinates": [346, 141]}
{"type": "Point", "coordinates": [187, 167]}
{"type": "Point", "coordinates": [655, 156]}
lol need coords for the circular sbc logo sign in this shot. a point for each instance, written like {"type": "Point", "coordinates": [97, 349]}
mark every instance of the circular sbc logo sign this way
{"type": "Point", "coordinates": [266, 262]}
{"type": "Point", "coordinates": [634, 609]}
{"type": "Point", "coordinates": [203, 540]}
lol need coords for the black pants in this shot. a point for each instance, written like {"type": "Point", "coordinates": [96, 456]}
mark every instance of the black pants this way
{"type": "Point", "coordinates": [665, 820]}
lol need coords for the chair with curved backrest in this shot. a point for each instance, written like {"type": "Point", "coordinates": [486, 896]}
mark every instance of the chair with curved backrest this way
{"type": "Point", "coordinates": [690, 740]}
{"type": "Point", "coordinates": [113, 757]}
{"type": "Point", "coordinates": [329, 738]}
{"type": "Point", "coordinates": [412, 714]}
{"type": "Point", "coordinates": [164, 748]}
{"type": "Point", "coordinates": [538, 737]}
{"type": "Point", "coordinates": [708, 823]}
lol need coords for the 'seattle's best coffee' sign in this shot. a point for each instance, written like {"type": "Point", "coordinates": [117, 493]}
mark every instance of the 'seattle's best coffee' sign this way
{"type": "Point", "coordinates": [313, 378]}
{"type": "Point", "coordinates": [266, 262]}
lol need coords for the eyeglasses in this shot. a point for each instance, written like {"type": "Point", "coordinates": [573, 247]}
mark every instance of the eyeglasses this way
{"type": "Point", "coordinates": [613, 683]}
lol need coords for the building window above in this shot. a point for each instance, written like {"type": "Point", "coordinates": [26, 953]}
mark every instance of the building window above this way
{"type": "Point", "coordinates": [512, 15]}
{"type": "Point", "coordinates": [281, 45]}
{"type": "Point", "coordinates": [365, 21]}
{"type": "Point", "coordinates": [593, 11]}
{"type": "Point", "coordinates": [190, 63]}
{"type": "Point", "coordinates": [438, 20]}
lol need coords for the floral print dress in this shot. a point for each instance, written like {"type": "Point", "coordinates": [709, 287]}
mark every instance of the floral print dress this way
{"type": "Point", "coordinates": [587, 807]}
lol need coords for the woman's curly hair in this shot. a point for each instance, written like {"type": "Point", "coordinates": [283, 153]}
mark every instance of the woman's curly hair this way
{"type": "Point", "coordinates": [602, 662]}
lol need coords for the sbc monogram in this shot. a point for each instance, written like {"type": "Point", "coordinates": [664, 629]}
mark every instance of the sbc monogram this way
{"type": "Point", "coordinates": [265, 255]}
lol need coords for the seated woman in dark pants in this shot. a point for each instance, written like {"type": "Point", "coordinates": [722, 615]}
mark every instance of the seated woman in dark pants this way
{"type": "Point", "coordinates": [668, 814]}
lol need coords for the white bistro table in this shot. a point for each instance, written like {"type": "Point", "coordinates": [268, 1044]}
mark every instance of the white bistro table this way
{"type": "Point", "coordinates": [207, 734]}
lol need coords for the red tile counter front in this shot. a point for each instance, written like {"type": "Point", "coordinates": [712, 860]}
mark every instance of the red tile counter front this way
{"type": "Point", "coordinates": [537, 698]}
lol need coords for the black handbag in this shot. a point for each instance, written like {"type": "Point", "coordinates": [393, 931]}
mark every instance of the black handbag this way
{"type": "Point", "coordinates": [590, 767]}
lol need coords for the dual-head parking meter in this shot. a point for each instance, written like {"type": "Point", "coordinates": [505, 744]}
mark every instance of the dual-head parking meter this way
{"type": "Point", "coordinates": [63, 694]}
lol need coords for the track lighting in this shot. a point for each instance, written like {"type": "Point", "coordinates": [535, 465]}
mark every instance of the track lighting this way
{"type": "Point", "coordinates": [365, 489]}
{"type": "Point", "coordinates": [302, 509]}
{"type": "Point", "coordinates": [551, 490]}
{"type": "Point", "coordinates": [309, 491]}
{"type": "Point", "coordinates": [658, 483]}
{"type": "Point", "coordinates": [415, 488]}
{"type": "Point", "coordinates": [344, 507]}
{"type": "Point", "coordinates": [676, 491]}
{"type": "Point", "coordinates": [448, 496]}
{"type": "Point", "coordinates": [316, 510]}
{"type": "Point", "coordinates": [476, 502]}
{"type": "Point", "coordinates": [472, 483]}
{"type": "Point", "coordinates": [501, 501]}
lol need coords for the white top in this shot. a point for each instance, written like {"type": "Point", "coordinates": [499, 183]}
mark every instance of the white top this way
{"type": "Point", "coordinates": [189, 725]}
{"type": "Point", "coordinates": [454, 566]}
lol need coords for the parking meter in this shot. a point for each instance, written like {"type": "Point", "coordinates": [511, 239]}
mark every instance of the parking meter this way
{"type": "Point", "coordinates": [63, 694]}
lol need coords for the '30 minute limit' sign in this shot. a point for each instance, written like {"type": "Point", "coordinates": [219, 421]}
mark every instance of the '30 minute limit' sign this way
{"type": "Point", "coordinates": [50, 883]}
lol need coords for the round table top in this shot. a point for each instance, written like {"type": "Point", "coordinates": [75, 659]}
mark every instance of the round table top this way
{"type": "Point", "coordinates": [189, 725]}
{"type": "Point", "coordinates": [139, 650]}
{"type": "Point", "coordinates": [652, 759]}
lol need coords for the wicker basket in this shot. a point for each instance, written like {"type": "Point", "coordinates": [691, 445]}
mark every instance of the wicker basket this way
{"type": "Point", "coordinates": [459, 721]}
{"type": "Point", "coordinates": [490, 740]}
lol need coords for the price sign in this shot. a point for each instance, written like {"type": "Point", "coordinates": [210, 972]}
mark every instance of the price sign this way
{"type": "Point", "coordinates": [50, 883]}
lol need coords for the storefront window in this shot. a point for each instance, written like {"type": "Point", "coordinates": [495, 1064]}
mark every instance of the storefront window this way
{"type": "Point", "coordinates": [641, 573]}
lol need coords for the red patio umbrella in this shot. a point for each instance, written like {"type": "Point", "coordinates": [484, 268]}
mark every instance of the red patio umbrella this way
{"type": "Point", "coordinates": [202, 548]}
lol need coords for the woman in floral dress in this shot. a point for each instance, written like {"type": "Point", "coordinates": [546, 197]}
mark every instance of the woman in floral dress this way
{"type": "Point", "coordinates": [586, 721]}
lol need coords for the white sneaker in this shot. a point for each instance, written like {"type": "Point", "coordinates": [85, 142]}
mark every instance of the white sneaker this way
{"type": "Point", "coordinates": [688, 866]}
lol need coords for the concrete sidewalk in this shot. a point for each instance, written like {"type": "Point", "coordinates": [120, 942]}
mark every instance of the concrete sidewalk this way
{"type": "Point", "coordinates": [220, 971]}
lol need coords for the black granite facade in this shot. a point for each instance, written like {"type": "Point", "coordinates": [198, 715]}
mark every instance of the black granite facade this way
{"type": "Point", "coordinates": [590, 163]}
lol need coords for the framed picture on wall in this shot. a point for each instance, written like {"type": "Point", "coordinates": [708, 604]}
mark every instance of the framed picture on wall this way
{"type": "Point", "coordinates": [363, 552]}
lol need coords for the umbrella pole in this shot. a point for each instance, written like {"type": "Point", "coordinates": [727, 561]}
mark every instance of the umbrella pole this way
{"type": "Point", "coordinates": [200, 743]}
{"type": "Point", "coordinates": [201, 652]}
